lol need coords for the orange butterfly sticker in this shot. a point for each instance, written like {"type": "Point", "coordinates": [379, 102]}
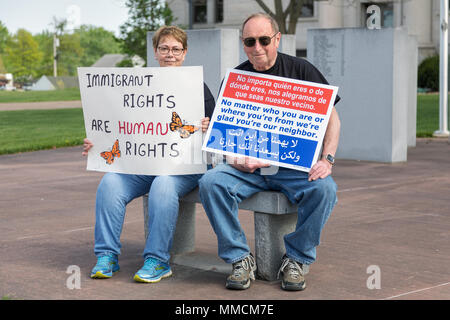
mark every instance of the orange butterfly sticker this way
{"type": "Point", "coordinates": [184, 129]}
{"type": "Point", "coordinates": [110, 155]}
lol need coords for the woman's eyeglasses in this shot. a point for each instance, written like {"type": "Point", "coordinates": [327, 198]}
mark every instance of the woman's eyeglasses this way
{"type": "Point", "coordinates": [166, 50]}
{"type": "Point", "coordinates": [264, 41]}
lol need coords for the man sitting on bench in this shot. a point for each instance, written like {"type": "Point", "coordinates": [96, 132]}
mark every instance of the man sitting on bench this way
{"type": "Point", "coordinates": [222, 188]}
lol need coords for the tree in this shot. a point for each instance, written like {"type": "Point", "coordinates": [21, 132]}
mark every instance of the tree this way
{"type": "Point", "coordinates": [2, 66]}
{"type": "Point", "coordinates": [4, 37]}
{"type": "Point", "coordinates": [69, 52]}
{"type": "Point", "coordinates": [96, 42]}
{"type": "Point", "coordinates": [286, 17]}
{"type": "Point", "coordinates": [78, 49]}
{"type": "Point", "coordinates": [22, 56]}
{"type": "Point", "coordinates": [45, 42]}
{"type": "Point", "coordinates": [144, 16]}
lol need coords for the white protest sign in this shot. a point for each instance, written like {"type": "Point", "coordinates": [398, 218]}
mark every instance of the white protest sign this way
{"type": "Point", "coordinates": [279, 120]}
{"type": "Point", "coordinates": [144, 120]}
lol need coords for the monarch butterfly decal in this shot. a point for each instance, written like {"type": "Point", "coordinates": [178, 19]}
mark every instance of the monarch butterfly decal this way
{"type": "Point", "coordinates": [184, 129]}
{"type": "Point", "coordinates": [110, 155]}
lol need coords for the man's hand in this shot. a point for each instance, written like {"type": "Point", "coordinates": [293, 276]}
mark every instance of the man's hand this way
{"type": "Point", "coordinates": [321, 169]}
{"type": "Point", "coordinates": [205, 124]}
{"type": "Point", "coordinates": [246, 164]}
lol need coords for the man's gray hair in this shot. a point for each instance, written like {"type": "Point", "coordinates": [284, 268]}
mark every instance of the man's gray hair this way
{"type": "Point", "coordinates": [273, 22]}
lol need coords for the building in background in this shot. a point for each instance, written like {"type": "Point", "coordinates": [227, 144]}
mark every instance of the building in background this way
{"type": "Point", "coordinates": [7, 82]}
{"type": "Point", "coordinates": [55, 83]}
{"type": "Point", "coordinates": [420, 17]}
{"type": "Point", "coordinates": [113, 60]}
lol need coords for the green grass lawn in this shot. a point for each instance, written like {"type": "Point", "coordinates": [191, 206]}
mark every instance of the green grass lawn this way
{"type": "Point", "coordinates": [30, 130]}
{"type": "Point", "coordinates": [427, 114]}
{"type": "Point", "coordinates": [38, 96]}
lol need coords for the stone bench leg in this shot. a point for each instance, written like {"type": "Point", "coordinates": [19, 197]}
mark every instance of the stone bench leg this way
{"type": "Point", "coordinates": [269, 243]}
{"type": "Point", "coordinates": [184, 237]}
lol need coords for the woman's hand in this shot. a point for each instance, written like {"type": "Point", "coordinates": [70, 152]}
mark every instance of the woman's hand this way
{"type": "Point", "coordinates": [87, 145]}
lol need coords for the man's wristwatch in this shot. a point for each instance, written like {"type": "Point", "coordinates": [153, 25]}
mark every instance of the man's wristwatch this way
{"type": "Point", "coordinates": [329, 157]}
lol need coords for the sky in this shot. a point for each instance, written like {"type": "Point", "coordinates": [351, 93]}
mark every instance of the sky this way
{"type": "Point", "coordinates": [37, 15]}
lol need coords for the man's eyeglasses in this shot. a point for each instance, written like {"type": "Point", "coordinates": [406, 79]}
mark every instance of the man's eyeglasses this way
{"type": "Point", "coordinates": [166, 50]}
{"type": "Point", "coordinates": [264, 41]}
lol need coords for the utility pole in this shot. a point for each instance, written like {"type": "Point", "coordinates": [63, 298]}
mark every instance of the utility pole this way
{"type": "Point", "coordinates": [443, 72]}
{"type": "Point", "coordinates": [55, 55]}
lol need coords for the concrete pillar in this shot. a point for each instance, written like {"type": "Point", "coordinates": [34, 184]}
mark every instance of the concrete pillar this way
{"type": "Point", "coordinates": [373, 70]}
{"type": "Point", "coordinates": [330, 15]}
{"type": "Point", "coordinates": [351, 15]}
{"type": "Point", "coordinates": [417, 17]}
{"type": "Point", "coordinates": [211, 12]}
{"type": "Point", "coordinates": [412, 56]}
{"type": "Point", "coordinates": [269, 243]}
{"type": "Point", "coordinates": [398, 14]}
{"type": "Point", "coordinates": [184, 237]}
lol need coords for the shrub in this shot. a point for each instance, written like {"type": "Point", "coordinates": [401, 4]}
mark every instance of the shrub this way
{"type": "Point", "coordinates": [428, 73]}
{"type": "Point", "coordinates": [125, 63]}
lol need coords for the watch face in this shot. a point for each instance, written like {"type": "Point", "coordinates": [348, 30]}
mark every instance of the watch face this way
{"type": "Point", "coordinates": [330, 158]}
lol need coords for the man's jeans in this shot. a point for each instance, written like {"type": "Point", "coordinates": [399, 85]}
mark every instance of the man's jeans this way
{"type": "Point", "coordinates": [224, 187]}
{"type": "Point", "coordinates": [116, 190]}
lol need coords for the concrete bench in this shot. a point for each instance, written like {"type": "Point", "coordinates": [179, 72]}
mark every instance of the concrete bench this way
{"type": "Point", "coordinates": [274, 217]}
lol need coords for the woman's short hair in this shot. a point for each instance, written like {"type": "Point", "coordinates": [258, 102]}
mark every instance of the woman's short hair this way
{"type": "Point", "coordinates": [173, 31]}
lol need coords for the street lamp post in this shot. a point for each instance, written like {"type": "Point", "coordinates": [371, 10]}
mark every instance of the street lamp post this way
{"type": "Point", "coordinates": [443, 73]}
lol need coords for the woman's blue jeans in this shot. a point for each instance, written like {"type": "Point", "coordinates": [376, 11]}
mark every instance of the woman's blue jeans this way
{"type": "Point", "coordinates": [116, 190]}
{"type": "Point", "coordinates": [224, 187]}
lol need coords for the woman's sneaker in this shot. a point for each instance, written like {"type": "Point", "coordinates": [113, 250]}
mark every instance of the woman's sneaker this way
{"type": "Point", "coordinates": [106, 266]}
{"type": "Point", "coordinates": [293, 275]}
{"type": "Point", "coordinates": [153, 271]}
{"type": "Point", "coordinates": [243, 273]}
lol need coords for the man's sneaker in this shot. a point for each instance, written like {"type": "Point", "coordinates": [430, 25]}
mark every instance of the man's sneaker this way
{"type": "Point", "coordinates": [153, 271]}
{"type": "Point", "coordinates": [293, 275]}
{"type": "Point", "coordinates": [106, 266]}
{"type": "Point", "coordinates": [243, 272]}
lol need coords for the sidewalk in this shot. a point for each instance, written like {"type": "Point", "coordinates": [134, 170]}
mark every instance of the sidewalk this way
{"type": "Point", "coordinates": [394, 218]}
{"type": "Point", "coordinates": [40, 105]}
